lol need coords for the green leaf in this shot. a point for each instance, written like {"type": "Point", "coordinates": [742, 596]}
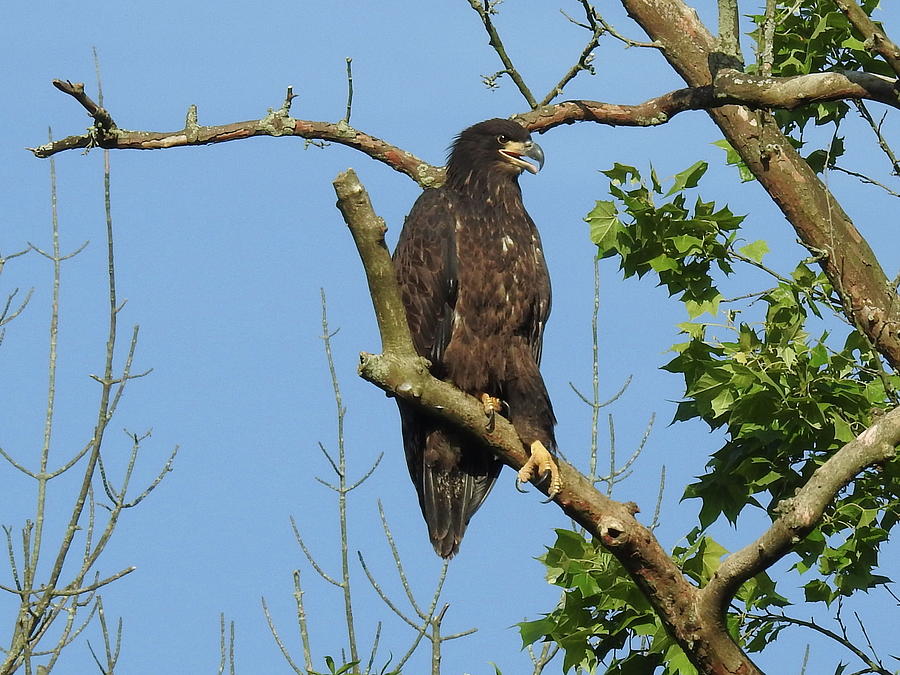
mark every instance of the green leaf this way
{"type": "Point", "coordinates": [604, 222]}
{"type": "Point", "coordinates": [688, 178]}
{"type": "Point", "coordinates": [756, 250]}
{"type": "Point", "coordinates": [532, 631]}
{"type": "Point", "coordinates": [818, 356]}
{"type": "Point", "coordinates": [732, 158]}
{"type": "Point", "coordinates": [654, 181]}
{"type": "Point", "coordinates": [695, 309]}
{"type": "Point", "coordinates": [662, 262]}
{"type": "Point", "coordinates": [622, 174]}
{"type": "Point", "coordinates": [687, 243]}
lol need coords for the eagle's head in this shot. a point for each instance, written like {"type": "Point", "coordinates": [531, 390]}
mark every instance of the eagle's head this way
{"type": "Point", "coordinates": [495, 148]}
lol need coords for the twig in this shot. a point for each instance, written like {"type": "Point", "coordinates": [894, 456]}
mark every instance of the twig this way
{"type": "Point", "coordinates": [628, 42]}
{"type": "Point", "coordinates": [281, 646]}
{"type": "Point", "coordinates": [843, 640]}
{"type": "Point", "coordinates": [302, 621]}
{"type": "Point", "coordinates": [484, 11]}
{"type": "Point", "coordinates": [866, 179]}
{"type": "Point", "coordinates": [6, 315]}
{"type": "Point", "coordinates": [426, 618]}
{"type": "Point", "coordinates": [342, 477]}
{"type": "Point", "coordinates": [288, 100]}
{"type": "Point", "coordinates": [548, 652]}
{"type": "Point", "coordinates": [76, 90]}
{"type": "Point", "coordinates": [586, 57]}
{"type": "Point", "coordinates": [309, 556]}
{"type": "Point", "coordinates": [654, 521]}
{"type": "Point", "coordinates": [876, 129]}
{"type": "Point", "coordinates": [346, 119]}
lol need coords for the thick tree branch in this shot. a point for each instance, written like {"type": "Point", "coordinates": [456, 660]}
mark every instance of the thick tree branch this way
{"type": "Point", "coordinates": [800, 513]}
{"type": "Point", "coordinates": [875, 38]}
{"type": "Point", "coordinates": [730, 87]}
{"type": "Point", "coordinates": [871, 302]}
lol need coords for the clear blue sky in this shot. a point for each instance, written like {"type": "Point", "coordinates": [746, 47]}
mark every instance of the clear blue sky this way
{"type": "Point", "coordinates": [221, 253]}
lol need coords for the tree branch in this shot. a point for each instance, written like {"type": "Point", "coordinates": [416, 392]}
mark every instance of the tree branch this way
{"type": "Point", "coordinates": [800, 513]}
{"type": "Point", "coordinates": [275, 123]}
{"type": "Point", "coordinates": [729, 88]}
{"type": "Point", "coordinates": [484, 11]}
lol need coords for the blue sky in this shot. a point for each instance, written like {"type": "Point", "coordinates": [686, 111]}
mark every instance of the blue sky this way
{"type": "Point", "coordinates": [221, 254]}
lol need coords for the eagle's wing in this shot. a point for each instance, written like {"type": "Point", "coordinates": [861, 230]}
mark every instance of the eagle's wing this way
{"type": "Point", "coordinates": [426, 267]}
{"type": "Point", "coordinates": [452, 477]}
{"type": "Point", "coordinates": [543, 295]}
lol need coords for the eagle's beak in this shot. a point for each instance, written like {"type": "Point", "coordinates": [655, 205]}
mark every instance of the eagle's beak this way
{"type": "Point", "coordinates": [515, 150]}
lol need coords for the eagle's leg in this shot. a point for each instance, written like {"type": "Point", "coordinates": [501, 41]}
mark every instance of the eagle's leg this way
{"type": "Point", "coordinates": [541, 464]}
{"type": "Point", "coordinates": [491, 406]}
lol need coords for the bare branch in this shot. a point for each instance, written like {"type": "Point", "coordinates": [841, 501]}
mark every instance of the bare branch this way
{"type": "Point", "coordinates": [867, 180]}
{"type": "Point", "coordinates": [872, 665]}
{"type": "Point", "coordinates": [278, 641]}
{"type": "Point", "coordinates": [346, 119]}
{"type": "Point", "coordinates": [275, 123]}
{"type": "Point", "coordinates": [309, 556]}
{"type": "Point", "coordinates": [76, 90]}
{"type": "Point", "coordinates": [485, 10]}
{"type": "Point", "coordinates": [882, 141]}
{"type": "Point", "coordinates": [731, 87]}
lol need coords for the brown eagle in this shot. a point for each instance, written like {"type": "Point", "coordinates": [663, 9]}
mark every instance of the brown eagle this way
{"type": "Point", "coordinates": [477, 294]}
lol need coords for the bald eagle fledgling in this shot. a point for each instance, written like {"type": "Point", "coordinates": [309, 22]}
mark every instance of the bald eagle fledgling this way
{"type": "Point", "coordinates": [477, 295]}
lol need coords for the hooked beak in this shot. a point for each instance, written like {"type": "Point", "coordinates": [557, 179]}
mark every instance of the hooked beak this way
{"type": "Point", "coordinates": [515, 150]}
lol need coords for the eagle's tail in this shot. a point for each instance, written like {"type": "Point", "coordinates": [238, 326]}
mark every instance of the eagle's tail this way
{"type": "Point", "coordinates": [450, 497]}
{"type": "Point", "coordinates": [452, 477]}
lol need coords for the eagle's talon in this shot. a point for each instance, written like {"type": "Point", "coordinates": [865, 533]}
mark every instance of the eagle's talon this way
{"type": "Point", "coordinates": [519, 486]}
{"type": "Point", "coordinates": [541, 464]}
{"type": "Point", "coordinates": [492, 406]}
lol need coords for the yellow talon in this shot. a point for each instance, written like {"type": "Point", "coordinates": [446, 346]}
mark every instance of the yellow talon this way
{"type": "Point", "coordinates": [491, 407]}
{"type": "Point", "coordinates": [538, 465]}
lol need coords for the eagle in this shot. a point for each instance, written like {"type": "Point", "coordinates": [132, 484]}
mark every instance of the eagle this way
{"type": "Point", "coordinates": [476, 290]}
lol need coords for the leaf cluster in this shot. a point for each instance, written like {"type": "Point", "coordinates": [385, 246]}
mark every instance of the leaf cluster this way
{"type": "Point", "coordinates": [679, 243]}
{"type": "Point", "coordinates": [784, 399]}
{"type": "Point", "coordinates": [603, 617]}
{"type": "Point", "coordinates": [814, 36]}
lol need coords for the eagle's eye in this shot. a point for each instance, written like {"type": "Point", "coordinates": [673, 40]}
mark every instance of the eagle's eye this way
{"type": "Point", "coordinates": [502, 140]}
